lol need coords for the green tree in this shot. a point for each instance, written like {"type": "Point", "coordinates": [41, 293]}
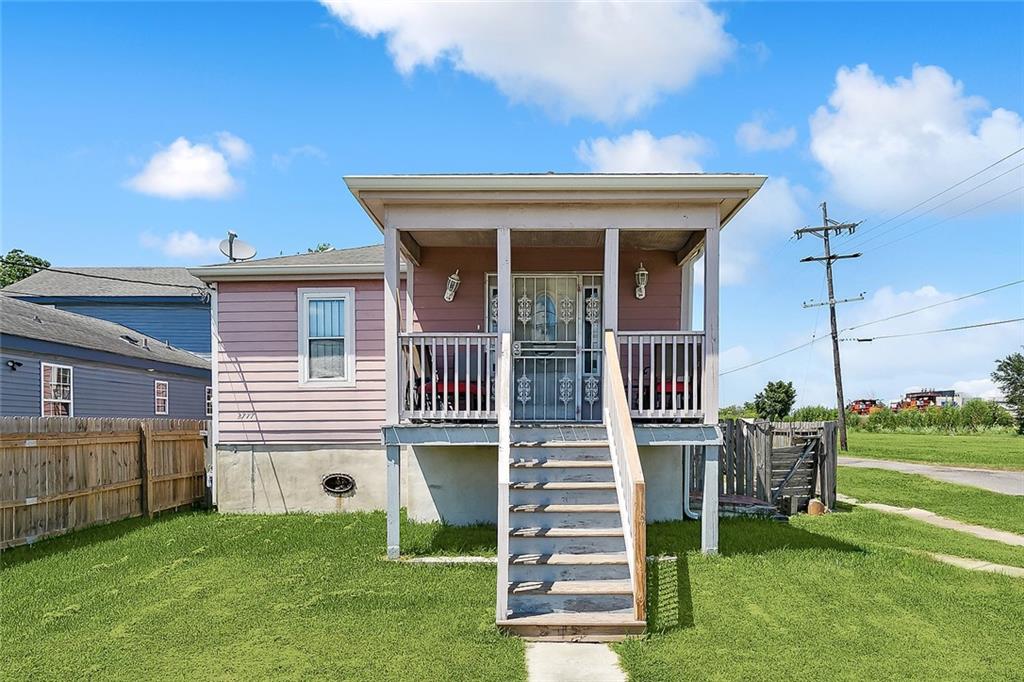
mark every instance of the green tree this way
{"type": "Point", "coordinates": [321, 247]}
{"type": "Point", "coordinates": [775, 401]}
{"type": "Point", "coordinates": [1009, 376]}
{"type": "Point", "coordinates": [17, 265]}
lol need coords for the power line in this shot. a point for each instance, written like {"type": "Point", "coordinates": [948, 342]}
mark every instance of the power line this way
{"type": "Point", "coordinates": [946, 220]}
{"type": "Point", "coordinates": [938, 194]}
{"type": "Point", "coordinates": [937, 206]}
{"type": "Point", "coordinates": [193, 287]}
{"type": "Point", "coordinates": [815, 339]}
{"type": "Point", "coordinates": [938, 331]}
{"type": "Point", "coordinates": [934, 305]}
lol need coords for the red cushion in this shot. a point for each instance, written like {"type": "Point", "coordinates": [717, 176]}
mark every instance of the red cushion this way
{"type": "Point", "coordinates": [667, 387]}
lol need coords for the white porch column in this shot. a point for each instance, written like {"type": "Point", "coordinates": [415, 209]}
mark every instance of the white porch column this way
{"type": "Point", "coordinates": [392, 384]}
{"type": "Point", "coordinates": [611, 279]}
{"type": "Point", "coordinates": [410, 270]}
{"type": "Point", "coordinates": [709, 512]}
{"type": "Point", "coordinates": [503, 389]}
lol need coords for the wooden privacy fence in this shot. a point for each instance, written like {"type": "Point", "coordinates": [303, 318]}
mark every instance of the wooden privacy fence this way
{"type": "Point", "coordinates": [59, 474]}
{"type": "Point", "coordinates": [783, 464]}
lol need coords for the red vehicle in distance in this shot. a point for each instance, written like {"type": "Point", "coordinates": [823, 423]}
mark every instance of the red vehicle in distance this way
{"type": "Point", "coordinates": [865, 406]}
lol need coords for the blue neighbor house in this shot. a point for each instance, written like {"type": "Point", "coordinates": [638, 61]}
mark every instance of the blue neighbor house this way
{"type": "Point", "coordinates": [56, 363]}
{"type": "Point", "coordinates": [163, 303]}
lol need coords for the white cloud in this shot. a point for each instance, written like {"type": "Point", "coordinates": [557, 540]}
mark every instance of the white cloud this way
{"type": "Point", "coordinates": [888, 145]}
{"type": "Point", "coordinates": [753, 136]}
{"type": "Point", "coordinates": [984, 388]}
{"type": "Point", "coordinates": [184, 245]}
{"type": "Point", "coordinates": [185, 170]}
{"type": "Point", "coordinates": [235, 148]}
{"type": "Point", "coordinates": [604, 60]}
{"type": "Point", "coordinates": [284, 161]}
{"type": "Point", "coordinates": [641, 152]}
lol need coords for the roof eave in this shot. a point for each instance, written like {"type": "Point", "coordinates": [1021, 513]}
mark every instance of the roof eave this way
{"type": "Point", "coordinates": [219, 273]}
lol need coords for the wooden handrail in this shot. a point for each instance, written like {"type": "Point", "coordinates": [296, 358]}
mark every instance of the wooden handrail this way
{"type": "Point", "coordinates": [629, 476]}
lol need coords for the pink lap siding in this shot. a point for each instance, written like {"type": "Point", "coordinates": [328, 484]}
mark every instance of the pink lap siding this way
{"type": "Point", "coordinates": [260, 396]}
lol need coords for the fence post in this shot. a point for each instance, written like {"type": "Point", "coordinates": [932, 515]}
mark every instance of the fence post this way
{"type": "Point", "coordinates": [146, 448]}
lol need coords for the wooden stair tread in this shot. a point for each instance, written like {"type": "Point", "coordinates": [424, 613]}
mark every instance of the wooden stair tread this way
{"type": "Point", "coordinates": [560, 444]}
{"type": "Point", "coordinates": [562, 485]}
{"type": "Point", "coordinates": [565, 508]}
{"type": "Point", "coordinates": [560, 464]}
{"type": "Point", "coordinates": [566, 532]}
{"type": "Point", "coordinates": [571, 587]}
{"type": "Point", "coordinates": [568, 559]}
{"type": "Point", "coordinates": [582, 618]}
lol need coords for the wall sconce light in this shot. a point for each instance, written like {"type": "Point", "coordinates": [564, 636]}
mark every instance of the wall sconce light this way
{"type": "Point", "coordinates": [641, 282]}
{"type": "Point", "coordinates": [453, 286]}
{"type": "Point", "coordinates": [14, 365]}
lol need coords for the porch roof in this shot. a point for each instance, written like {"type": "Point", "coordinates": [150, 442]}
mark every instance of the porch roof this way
{"type": "Point", "coordinates": [729, 190]}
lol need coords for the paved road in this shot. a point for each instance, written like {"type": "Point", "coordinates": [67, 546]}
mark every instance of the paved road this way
{"type": "Point", "coordinates": [1005, 482]}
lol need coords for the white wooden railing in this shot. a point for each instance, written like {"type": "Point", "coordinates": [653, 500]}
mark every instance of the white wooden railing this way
{"type": "Point", "coordinates": [629, 476]}
{"type": "Point", "coordinates": [448, 376]}
{"type": "Point", "coordinates": [664, 373]}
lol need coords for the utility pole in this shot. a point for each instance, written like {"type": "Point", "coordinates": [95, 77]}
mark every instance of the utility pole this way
{"type": "Point", "coordinates": [824, 231]}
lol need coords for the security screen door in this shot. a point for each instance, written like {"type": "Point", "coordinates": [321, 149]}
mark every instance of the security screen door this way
{"type": "Point", "coordinates": [556, 346]}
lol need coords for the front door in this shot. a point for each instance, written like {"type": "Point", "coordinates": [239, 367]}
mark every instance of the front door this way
{"type": "Point", "coordinates": [556, 346]}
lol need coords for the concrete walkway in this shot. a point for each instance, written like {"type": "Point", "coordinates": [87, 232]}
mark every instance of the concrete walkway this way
{"type": "Point", "coordinates": [1005, 482]}
{"type": "Point", "coordinates": [978, 565]}
{"type": "Point", "coordinates": [572, 662]}
{"type": "Point", "coordinates": [983, 532]}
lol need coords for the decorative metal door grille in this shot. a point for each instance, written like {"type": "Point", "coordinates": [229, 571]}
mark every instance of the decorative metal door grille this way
{"type": "Point", "coordinates": [556, 346]}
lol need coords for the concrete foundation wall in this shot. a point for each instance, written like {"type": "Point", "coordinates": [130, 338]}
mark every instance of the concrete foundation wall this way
{"type": "Point", "coordinates": [457, 485]}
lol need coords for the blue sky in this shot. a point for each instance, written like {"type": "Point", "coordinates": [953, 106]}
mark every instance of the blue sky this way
{"type": "Point", "coordinates": [277, 101]}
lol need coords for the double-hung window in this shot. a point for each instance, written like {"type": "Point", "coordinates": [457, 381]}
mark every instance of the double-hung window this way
{"type": "Point", "coordinates": [209, 401]}
{"type": "Point", "coordinates": [161, 397]}
{"type": "Point", "coordinates": [57, 390]}
{"type": "Point", "coordinates": [327, 337]}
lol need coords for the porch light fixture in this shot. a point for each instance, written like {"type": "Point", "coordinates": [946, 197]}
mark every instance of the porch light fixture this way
{"type": "Point", "coordinates": [641, 282]}
{"type": "Point", "coordinates": [453, 286]}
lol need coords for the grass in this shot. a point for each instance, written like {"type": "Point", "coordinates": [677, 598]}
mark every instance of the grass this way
{"type": "Point", "coordinates": [250, 597]}
{"type": "Point", "coordinates": [823, 596]}
{"type": "Point", "coordinates": [987, 450]}
{"type": "Point", "coordinates": [309, 597]}
{"type": "Point", "coordinates": [964, 503]}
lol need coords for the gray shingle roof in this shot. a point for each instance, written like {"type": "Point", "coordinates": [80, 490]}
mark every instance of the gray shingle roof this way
{"type": "Point", "coordinates": [358, 255]}
{"type": "Point", "coordinates": [164, 282]}
{"type": "Point", "coordinates": [41, 322]}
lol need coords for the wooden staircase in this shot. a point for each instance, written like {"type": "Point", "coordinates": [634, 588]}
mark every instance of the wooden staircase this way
{"type": "Point", "coordinates": [568, 571]}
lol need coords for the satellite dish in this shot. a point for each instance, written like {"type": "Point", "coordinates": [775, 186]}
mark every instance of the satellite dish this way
{"type": "Point", "coordinates": [235, 249]}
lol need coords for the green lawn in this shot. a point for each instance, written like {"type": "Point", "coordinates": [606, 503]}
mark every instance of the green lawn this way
{"type": "Point", "coordinates": [989, 451]}
{"type": "Point", "coordinates": [965, 503]}
{"type": "Point", "coordinates": [847, 595]}
{"type": "Point", "coordinates": [824, 597]}
{"type": "Point", "coordinates": [204, 596]}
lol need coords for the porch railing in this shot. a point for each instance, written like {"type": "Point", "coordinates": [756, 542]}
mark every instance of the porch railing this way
{"type": "Point", "coordinates": [448, 376]}
{"type": "Point", "coordinates": [663, 373]}
{"type": "Point", "coordinates": [629, 477]}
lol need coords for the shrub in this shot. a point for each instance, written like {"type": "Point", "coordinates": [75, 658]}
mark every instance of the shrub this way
{"type": "Point", "coordinates": [974, 415]}
{"type": "Point", "coordinates": [813, 413]}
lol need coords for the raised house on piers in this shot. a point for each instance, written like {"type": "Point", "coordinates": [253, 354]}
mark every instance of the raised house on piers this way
{"type": "Point", "coordinates": [521, 351]}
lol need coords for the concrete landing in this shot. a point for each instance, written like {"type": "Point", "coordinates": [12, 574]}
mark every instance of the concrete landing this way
{"type": "Point", "coordinates": [572, 662]}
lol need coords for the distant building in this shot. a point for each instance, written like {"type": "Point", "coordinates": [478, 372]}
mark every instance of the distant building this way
{"type": "Point", "coordinates": [55, 363]}
{"type": "Point", "coordinates": [929, 397]}
{"type": "Point", "coordinates": [167, 304]}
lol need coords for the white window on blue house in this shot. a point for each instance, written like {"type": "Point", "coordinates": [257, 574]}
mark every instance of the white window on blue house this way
{"type": "Point", "coordinates": [57, 390]}
{"type": "Point", "coordinates": [161, 397]}
{"type": "Point", "coordinates": [327, 337]}
{"type": "Point", "coordinates": [209, 401]}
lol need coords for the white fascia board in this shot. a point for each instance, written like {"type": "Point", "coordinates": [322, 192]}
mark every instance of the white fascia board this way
{"type": "Point", "coordinates": [215, 273]}
{"type": "Point", "coordinates": [556, 182]}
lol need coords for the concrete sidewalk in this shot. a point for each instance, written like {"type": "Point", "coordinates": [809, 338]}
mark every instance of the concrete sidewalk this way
{"type": "Point", "coordinates": [572, 662]}
{"type": "Point", "coordinates": [1005, 482]}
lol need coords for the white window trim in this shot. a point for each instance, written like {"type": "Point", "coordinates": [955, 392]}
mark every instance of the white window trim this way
{"type": "Point", "coordinates": [209, 401]}
{"type": "Point", "coordinates": [304, 296]}
{"type": "Point", "coordinates": [167, 398]}
{"type": "Point", "coordinates": [42, 392]}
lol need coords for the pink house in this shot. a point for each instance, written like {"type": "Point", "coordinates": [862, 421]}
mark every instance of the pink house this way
{"type": "Point", "coordinates": [522, 351]}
